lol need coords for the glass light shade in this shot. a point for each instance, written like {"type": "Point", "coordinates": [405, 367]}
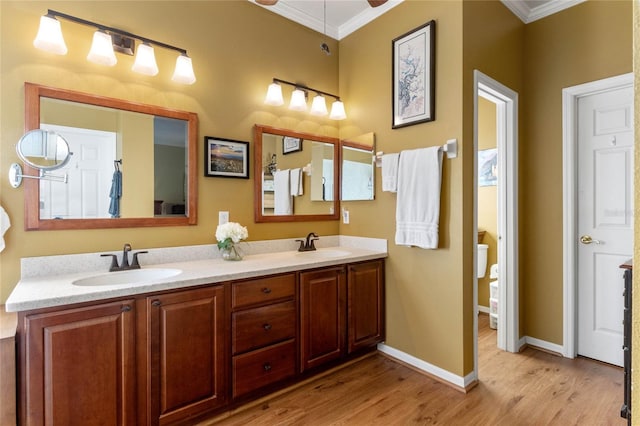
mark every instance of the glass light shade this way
{"type": "Point", "coordinates": [145, 62]}
{"type": "Point", "coordinates": [102, 49]}
{"type": "Point", "coordinates": [49, 37]}
{"type": "Point", "coordinates": [274, 95]}
{"type": "Point", "coordinates": [319, 106]}
{"type": "Point", "coordinates": [298, 101]}
{"type": "Point", "coordinates": [337, 111]}
{"type": "Point", "coordinates": [184, 70]}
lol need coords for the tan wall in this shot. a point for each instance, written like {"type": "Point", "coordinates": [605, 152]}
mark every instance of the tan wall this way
{"type": "Point", "coordinates": [487, 197]}
{"type": "Point", "coordinates": [236, 47]}
{"type": "Point", "coordinates": [562, 50]}
{"type": "Point", "coordinates": [424, 287]}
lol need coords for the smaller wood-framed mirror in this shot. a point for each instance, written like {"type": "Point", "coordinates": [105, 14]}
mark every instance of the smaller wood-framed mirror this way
{"type": "Point", "coordinates": [297, 176]}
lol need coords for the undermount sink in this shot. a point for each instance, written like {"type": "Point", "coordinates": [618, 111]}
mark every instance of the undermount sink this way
{"type": "Point", "coordinates": [325, 253]}
{"type": "Point", "coordinates": [132, 276]}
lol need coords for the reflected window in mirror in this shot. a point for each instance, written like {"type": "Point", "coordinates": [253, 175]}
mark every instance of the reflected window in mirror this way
{"type": "Point", "coordinates": [295, 176]}
{"type": "Point", "coordinates": [153, 148]}
{"type": "Point", "coordinates": [358, 168]}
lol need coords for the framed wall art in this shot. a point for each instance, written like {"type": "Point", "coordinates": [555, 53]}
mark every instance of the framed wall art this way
{"type": "Point", "coordinates": [413, 86]}
{"type": "Point", "coordinates": [291, 144]}
{"type": "Point", "coordinates": [226, 158]}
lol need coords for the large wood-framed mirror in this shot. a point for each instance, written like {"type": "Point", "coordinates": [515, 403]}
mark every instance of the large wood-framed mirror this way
{"type": "Point", "coordinates": [156, 150]}
{"type": "Point", "coordinates": [297, 176]}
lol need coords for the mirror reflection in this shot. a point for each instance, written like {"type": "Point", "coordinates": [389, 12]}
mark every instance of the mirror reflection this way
{"type": "Point", "coordinates": [43, 150]}
{"type": "Point", "coordinates": [133, 164]}
{"type": "Point", "coordinates": [296, 176]}
{"type": "Point", "coordinates": [358, 168]}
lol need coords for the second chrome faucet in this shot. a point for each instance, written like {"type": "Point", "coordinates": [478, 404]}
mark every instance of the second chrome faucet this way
{"type": "Point", "coordinates": [125, 259]}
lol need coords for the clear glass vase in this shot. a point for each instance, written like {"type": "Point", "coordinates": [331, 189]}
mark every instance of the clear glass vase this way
{"type": "Point", "coordinates": [231, 252]}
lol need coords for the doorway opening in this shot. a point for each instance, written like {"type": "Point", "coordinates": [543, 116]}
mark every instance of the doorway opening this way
{"type": "Point", "coordinates": [506, 113]}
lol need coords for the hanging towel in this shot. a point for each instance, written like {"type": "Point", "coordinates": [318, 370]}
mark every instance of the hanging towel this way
{"type": "Point", "coordinates": [283, 202]}
{"type": "Point", "coordinates": [296, 182]}
{"type": "Point", "coordinates": [115, 194]}
{"type": "Point", "coordinates": [418, 200]}
{"type": "Point", "coordinates": [5, 224]}
{"type": "Point", "coordinates": [390, 172]}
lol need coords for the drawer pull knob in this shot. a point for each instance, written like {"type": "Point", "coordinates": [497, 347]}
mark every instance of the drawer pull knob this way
{"type": "Point", "coordinates": [126, 308]}
{"type": "Point", "coordinates": [266, 366]}
{"type": "Point", "coordinates": [266, 290]}
{"type": "Point", "coordinates": [156, 303]}
{"type": "Point", "coordinates": [267, 327]}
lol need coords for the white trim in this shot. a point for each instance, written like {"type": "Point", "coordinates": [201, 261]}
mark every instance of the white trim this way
{"type": "Point", "coordinates": [484, 309]}
{"type": "Point", "coordinates": [459, 381]}
{"type": "Point", "coordinates": [529, 14]}
{"type": "Point", "coordinates": [543, 344]}
{"type": "Point", "coordinates": [570, 96]}
{"type": "Point", "coordinates": [507, 131]}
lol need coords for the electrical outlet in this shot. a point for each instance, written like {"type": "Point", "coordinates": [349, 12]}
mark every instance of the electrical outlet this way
{"type": "Point", "coordinates": [345, 216]}
{"type": "Point", "coordinates": [223, 217]}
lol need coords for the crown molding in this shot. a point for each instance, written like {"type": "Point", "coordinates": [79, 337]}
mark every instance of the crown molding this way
{"type": "Point", "coordinates": [528, 14]}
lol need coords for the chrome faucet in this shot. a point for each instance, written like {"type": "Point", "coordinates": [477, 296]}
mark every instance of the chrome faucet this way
{"type": "Point", "coordinates": [308, 245]}
{"type": "Point", "coordinates": [125, 259]}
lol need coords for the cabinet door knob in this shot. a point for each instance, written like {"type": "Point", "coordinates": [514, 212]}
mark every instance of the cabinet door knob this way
{"type": "Point", "coordinates": [266, 290]}
{"type": "Point", "coordinates": [156, 303]}
{"type": "Point", "coordinates": [126, 308]}
{"type": "Point", "coordinates": [267, 327]}
{"type": "Point", "coordinates": [266, 366]}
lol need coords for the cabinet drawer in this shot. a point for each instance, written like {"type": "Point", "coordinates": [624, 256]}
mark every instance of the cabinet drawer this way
{"type": "Point", "coordinates": [262, 290]}
{"type": "Point", "coordinates": [257, 327]}
{"type": "Point", "coordinates": [263, 367]}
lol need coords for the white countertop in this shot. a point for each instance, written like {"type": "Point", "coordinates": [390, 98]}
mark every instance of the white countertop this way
{"type": "Point", "coordinates": [48, 290]}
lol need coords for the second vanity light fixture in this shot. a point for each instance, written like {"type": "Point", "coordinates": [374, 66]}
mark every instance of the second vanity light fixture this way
{"type": "Point", "coordinates": [106, 40]}
{"type": "Point", "coordinates": [298, 100]}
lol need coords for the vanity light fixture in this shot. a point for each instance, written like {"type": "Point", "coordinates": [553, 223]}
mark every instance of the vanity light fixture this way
{"type": "Point", "coordinates": [106, 40]}
{"type": "Point", "coordinates": [298, 100]}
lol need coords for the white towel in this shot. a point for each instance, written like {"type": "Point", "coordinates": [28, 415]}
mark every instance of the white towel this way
{"type": "Point", "coordinates": [390, 172]}
{"type": "Point", "coordinates": [296, 182]}
{"type": "Point", "coordinates": [282, 200]}
{"type": "Point", "coordinates": [5, 224]}
{"type": "Point", "coordinates": [418, 203]}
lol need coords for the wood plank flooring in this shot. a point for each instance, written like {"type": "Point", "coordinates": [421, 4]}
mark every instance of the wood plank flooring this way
{"type": "Point", "coordinates": [529, 388]}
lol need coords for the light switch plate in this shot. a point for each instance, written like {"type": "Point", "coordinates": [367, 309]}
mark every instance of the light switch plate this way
{"type": "Point", "coordinates": [223, 217]}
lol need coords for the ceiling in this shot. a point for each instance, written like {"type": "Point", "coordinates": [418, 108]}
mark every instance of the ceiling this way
{"type": "Point", "coordinates": [345, 16]}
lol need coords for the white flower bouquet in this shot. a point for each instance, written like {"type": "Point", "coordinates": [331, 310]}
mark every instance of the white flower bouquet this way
{"type": "Point", "coordinates": [230, 233]}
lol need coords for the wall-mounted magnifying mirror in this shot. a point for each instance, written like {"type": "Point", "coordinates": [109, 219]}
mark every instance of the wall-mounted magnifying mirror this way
{"type": "Point", "coordinates": [42, 150]}
{"type": "Point", "coordinates": [358, 168]}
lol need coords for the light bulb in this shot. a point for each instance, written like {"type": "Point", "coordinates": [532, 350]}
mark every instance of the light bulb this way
{"type": "Point", "coordinates": [298, 101]}
{"type": "Point", "coordinates": [145, 62]}
{"type": "Point", "coordinates": [337, 111]}
{"type": "Point", "coordinates": [319, 106]}
{"type": "Point", "coordinates": [274, 95]}
{"type": "Point", "coordinates": [49, 37]}
{"type": "Point", "coordinates": [184, 70]}
{"type": "Point", "coordinates": [102, 49]}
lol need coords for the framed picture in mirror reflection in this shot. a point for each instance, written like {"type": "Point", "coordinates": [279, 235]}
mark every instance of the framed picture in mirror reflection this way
{"type": "Point", "coordinates": [291, 144]}
{"type": "Point", "coordinates": [226, 158]}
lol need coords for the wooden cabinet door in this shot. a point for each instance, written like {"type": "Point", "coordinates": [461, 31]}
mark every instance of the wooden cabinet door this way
{"type": "Point", "coordinates": [322, 316]}
{"type": "Point", "coordinates": [78, 366]}
{"type": "Point", "coordinates": [187, 353]}
{"type": "Point", "coordinates": [365, 306]}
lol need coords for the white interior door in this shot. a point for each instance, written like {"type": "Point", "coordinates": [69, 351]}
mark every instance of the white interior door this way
{"type": "Point", "coordinates": [605, 219]}
{"type": "Point", "coordinates": [86, 195]}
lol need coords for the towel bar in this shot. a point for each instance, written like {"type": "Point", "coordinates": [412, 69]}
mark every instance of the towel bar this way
{"type": "Point", "coordinates": [451, 148]}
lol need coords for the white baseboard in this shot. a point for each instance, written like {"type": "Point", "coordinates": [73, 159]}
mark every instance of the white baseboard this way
{"type": "Point", "coordinates": [444, 375]}
{"type": "Point", "coordinates": [543, 344]}
{"type": "Point", "coordinates": [484, 309]}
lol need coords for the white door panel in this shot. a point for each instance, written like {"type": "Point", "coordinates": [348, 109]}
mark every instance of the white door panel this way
{"type": "Point", "coordinates": [605, 214]}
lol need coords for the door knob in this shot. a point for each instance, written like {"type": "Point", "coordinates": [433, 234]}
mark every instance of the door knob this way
{"type": "Point", "coordinates": [586, 239]}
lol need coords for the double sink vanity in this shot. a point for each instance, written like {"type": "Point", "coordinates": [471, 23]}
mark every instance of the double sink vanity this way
{"type": "Point", "coordinates": [189, 334]}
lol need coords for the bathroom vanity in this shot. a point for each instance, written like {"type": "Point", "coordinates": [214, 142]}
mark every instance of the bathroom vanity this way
{"type": "Point", "coordinates": [212, 337]}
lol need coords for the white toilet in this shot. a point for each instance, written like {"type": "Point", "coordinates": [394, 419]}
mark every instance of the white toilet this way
{"type": "Point", "coordinates": [493, 296]}
{"type": "Point", "coordinates": [482, 260]}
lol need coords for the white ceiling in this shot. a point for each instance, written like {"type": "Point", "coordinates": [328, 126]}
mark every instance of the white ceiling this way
{"type": "Point", "coordinates": [345, 16]}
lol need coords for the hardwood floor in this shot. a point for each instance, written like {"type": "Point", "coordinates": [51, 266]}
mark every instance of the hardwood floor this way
{"type": "Point", "coordinates": [529, 388]}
